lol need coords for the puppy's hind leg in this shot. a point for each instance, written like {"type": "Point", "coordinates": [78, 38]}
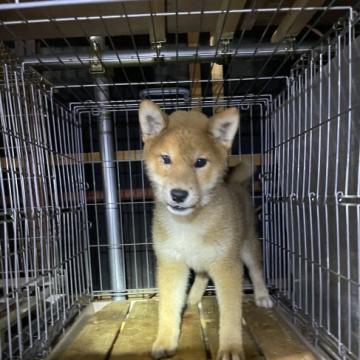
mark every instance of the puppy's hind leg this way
{"type": "Point", "coordinates": [198, 288]}
{"type": "Point", "coordinates": [251, 256]}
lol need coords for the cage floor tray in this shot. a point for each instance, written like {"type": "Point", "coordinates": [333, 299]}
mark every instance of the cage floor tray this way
{"type": "Point", "coordinates": [126, 330]}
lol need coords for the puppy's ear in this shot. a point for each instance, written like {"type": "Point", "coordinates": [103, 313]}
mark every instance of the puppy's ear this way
{"type": "Point", "coordinates": [223, 126]}
{"type": "Point", "coordinates": [152, 120]}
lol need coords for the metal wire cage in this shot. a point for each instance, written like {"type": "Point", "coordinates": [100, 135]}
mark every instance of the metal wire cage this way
{"type": "Point", "coordinates": [75, 201]}
{"type": "Point", "coordinates": [44, 260]}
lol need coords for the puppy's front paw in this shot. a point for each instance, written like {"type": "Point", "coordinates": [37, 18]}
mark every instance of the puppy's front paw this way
{"type": "Point", "coordinates": [162, 348]}
{"type": "Point", "coordinates": [231, 353]}
{"type": "Point", "coordinates": [264, 302]}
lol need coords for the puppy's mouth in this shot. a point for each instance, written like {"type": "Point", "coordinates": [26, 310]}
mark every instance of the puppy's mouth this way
{"type": "Point", "coordinates": [180, 210]}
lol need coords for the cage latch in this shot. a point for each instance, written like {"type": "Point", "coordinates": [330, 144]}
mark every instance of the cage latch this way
{"type": "Point", "coordinates": [6, 216]}
{"type": "Point", "coordinates": [225, 50]}
{"type": "Point", "coordinates": [96, 65]}
{"type": "Point", "coordinates": [157, 46]}
{"type": "Point", "coordinates": [349, 200]}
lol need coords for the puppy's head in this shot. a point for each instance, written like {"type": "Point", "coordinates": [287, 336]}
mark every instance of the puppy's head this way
{"type": "Point", "coordinates": [185, 154]}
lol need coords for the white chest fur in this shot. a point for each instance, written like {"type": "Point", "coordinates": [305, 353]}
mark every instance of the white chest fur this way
{"type": "Point", "coordinates": [187, 242]}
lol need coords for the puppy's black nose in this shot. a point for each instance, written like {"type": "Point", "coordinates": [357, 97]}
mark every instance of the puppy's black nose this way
{"type": "Point", "coordinates": [179, 195]}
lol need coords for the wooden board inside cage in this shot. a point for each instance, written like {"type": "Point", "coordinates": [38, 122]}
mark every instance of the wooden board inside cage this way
{"type": "Point", "coordinates": [126, 330]}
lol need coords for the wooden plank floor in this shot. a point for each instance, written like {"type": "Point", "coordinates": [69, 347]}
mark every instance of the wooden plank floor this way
{"type": "Point", "coordinates": [125, 331]}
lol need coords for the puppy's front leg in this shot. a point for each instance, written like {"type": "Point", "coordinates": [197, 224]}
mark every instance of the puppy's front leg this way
{"type": "Point", "coordinates": [227, 277]}
{"type": "Point", "coordinates": [172, 282]}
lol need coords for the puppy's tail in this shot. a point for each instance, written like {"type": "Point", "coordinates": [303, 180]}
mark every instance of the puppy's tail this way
{"type": "Point", "coordinates": [240, 174]}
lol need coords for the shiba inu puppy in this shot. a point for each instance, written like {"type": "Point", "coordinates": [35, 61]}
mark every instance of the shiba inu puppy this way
{"type": "Point", "coordinates": [201, 221]}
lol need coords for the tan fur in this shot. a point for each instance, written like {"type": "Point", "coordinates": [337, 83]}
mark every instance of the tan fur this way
{"type": "Point", "coordinates": [216, 238]}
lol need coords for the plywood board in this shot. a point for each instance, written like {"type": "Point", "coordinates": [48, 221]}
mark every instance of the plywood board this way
{"type": "Point", "coordinates": [273, 335]}
{"type": "Point", "coordinates": [157, 29]}
{"type": "Point", "coordinates": [139, 333]}
{"type": "Point", "coordinates": [191, 344]}
{"type": "Point", "coordinates": [227, 23]}
{"type": "Point", "coordinates": [250, 18]}
{"type": "Point", "coordinates": [96, 338]}
{"type": "Point", "coordinates": [294, 21]}
{"type": "Point", "coordinates": [217, 77]}
{"type": "Point", "coordinates": [118, 334]}
{"type": "Point", "coordinates": [210, 318]}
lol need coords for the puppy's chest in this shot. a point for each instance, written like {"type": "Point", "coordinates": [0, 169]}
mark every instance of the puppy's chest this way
{"type": "Point", "coordinates": [190, 243]}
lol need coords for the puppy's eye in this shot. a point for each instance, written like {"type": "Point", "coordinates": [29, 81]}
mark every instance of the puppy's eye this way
{"type": "Point", "coordinates": [166, 159]}
{"type": "Point", "coordinates": [200, 162]}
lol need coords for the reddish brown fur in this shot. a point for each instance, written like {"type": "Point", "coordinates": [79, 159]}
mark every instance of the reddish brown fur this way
{"type": "Point", "coordinates": [184, 141]}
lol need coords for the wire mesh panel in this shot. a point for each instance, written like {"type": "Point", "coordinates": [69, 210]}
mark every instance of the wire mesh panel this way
{"type": "Point", "coordinates": [43, 226]}
{"type": "Point", "coordinates": [312, 195]}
